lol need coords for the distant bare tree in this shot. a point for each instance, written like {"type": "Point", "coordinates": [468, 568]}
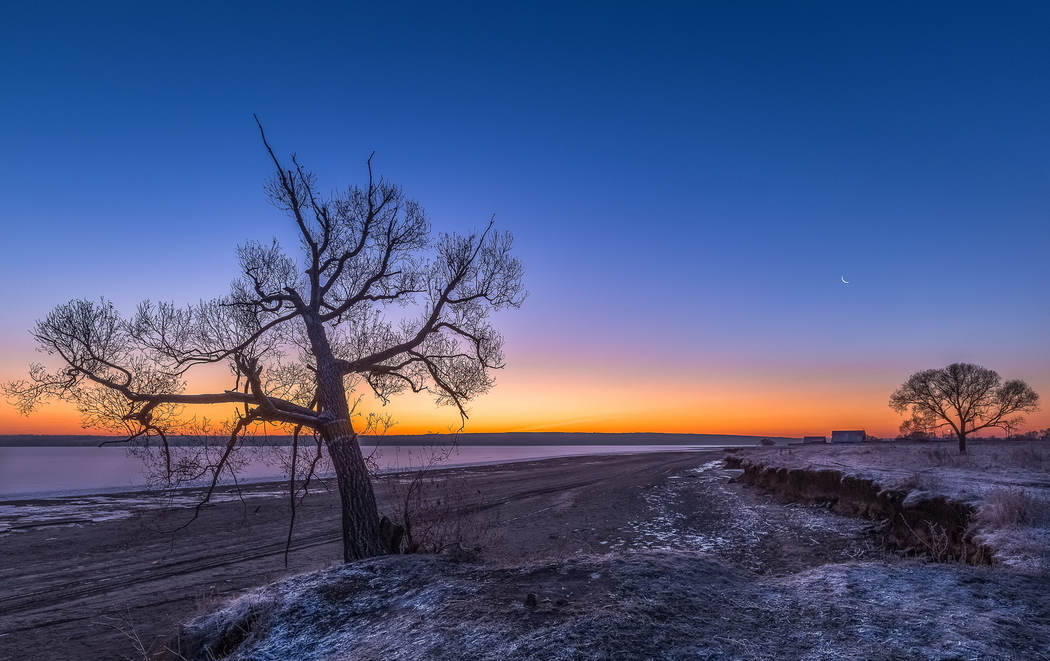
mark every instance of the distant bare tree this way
{"type": "Point", "coordinates": [1010, 427]}
{"type": "Point", "coordinates": [964, 398]}
{"type": "Point", "coordinates": [920, 429]}
{"type": "Point", "coordinates": [299, 337]}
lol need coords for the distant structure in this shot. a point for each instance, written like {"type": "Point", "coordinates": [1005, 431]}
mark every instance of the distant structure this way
{"type": "Point", "coordinates": [851, 436]}
{"type": "Point", "coordinates": [815, 439]}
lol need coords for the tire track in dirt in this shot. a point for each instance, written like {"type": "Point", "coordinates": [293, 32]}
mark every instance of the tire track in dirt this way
{"type": "Point", "coordinates": [13, 604]}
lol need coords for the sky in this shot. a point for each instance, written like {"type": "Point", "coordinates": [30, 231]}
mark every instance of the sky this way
{"type": "Point", "coordinates": [689, 184]}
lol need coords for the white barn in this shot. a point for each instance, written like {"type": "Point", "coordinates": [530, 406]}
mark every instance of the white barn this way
{"type": "Point", "coordinates": [849, 436]}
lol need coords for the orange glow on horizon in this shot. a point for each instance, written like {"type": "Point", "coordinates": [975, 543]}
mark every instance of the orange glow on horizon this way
{"type": "Point", "coordinates": [554, 392]}
{"type": "Point", "coordinates": [529, 401]}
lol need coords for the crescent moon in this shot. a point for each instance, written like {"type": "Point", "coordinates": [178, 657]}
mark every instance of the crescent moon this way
{"type": "Point", "coordinates": [844, 279]}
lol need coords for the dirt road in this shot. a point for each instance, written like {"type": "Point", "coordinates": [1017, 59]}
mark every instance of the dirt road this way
{"type": "Point", "coordinates": [99, 590]}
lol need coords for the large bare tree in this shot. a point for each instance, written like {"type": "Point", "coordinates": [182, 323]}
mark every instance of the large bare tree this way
{"type": "Point", "coordinates": [299, 335]}
{"type": "Point", "coordinates": [964, 397]}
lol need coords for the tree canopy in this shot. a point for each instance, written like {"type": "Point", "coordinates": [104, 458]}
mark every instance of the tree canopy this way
{"type": "Point", "coordinates": [963, 397]}
{"type": "Point", "coordinates": [300, 336]}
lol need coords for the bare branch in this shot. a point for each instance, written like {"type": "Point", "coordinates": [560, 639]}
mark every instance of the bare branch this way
{"type": "Point", "coordinates": [298, 337]}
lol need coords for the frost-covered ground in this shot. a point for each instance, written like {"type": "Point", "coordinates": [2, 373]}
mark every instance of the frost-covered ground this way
{"type": "Point", "coordinates": [700, 510]}
{"type": "Point", "coordinates": [636, 605]}
{"type": "Point", "coordinates": [1006, 482]}
{"type": "Point", "coordinates": [709, 570]}
{"type": "Point", "coordinates": [19, 516]}
{"type": "Point", "coordinates": [937, 466]}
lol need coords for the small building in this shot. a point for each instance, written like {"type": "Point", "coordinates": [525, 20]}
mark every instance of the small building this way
{"type": "Point", "coordinates": [815, 439]}
{"type": "Point", "coordinates": [850, 436]}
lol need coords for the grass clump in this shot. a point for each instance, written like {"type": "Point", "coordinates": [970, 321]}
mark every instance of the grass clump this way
{"type": "Point", "coordinates": [1012, 508]}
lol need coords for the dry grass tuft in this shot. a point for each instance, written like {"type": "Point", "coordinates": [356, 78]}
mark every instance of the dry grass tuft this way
{"type": "Point", "coordinates": [1016, 524]}
{"type": "Point", "coordinates": [1005, 508]}
{"type": "Point", "coordinates": [1028, 455]}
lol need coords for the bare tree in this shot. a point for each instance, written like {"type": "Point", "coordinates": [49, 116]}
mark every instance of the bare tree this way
{"type": "Point", "coordinates": [963, 397]}
{"type": "Point", "coordinates": [300, 337]}
{"type": "Point", "coordinates": [920, 429]}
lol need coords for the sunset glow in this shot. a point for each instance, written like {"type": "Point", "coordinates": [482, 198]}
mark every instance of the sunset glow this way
{"type": "Point", "coordinates": [729, 224]}
{"type": "Point", "coordinates": [769, 404]}
{"type": "Point", "coordinates": [524, 330]}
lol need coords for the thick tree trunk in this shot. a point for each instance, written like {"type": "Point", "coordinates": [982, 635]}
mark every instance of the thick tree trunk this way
{"type": "Point", "coordinates": [962, 443]}
{"type": "Point", "coordinates": [361, 534]}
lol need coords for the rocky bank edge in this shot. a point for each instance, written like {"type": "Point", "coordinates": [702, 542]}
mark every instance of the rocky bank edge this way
{"type": "Point", "coordinates": [936, 516]}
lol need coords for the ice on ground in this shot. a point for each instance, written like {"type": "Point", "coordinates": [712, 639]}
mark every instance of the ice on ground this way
{"type": "Point", "coordinates": [71, 511]}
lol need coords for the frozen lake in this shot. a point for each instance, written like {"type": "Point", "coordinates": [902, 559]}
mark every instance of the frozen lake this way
{"type": "Point", "coordinates": [42, 472]}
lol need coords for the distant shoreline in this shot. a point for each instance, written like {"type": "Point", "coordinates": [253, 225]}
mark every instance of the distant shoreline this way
{"type": "Point", "coordinates": [497, 439]}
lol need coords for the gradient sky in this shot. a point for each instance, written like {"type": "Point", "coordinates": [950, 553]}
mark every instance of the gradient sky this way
{"type": "Point", "coordinates": [687, 183]}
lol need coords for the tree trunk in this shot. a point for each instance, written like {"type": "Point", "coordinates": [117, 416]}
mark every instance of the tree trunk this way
{"type": "Point", "coordinates": [962, 442]}
{"type": "Point", "coordinates": [361, 535]}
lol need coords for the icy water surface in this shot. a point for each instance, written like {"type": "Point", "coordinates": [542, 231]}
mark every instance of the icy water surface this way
{"type": "Point", "coordinates": [68, 471]}
{"type": "Point", "coordinates": [18, 517]}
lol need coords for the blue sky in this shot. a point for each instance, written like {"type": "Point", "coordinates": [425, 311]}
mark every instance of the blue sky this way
{"type": "Point", "coordinates": [687, 183]}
